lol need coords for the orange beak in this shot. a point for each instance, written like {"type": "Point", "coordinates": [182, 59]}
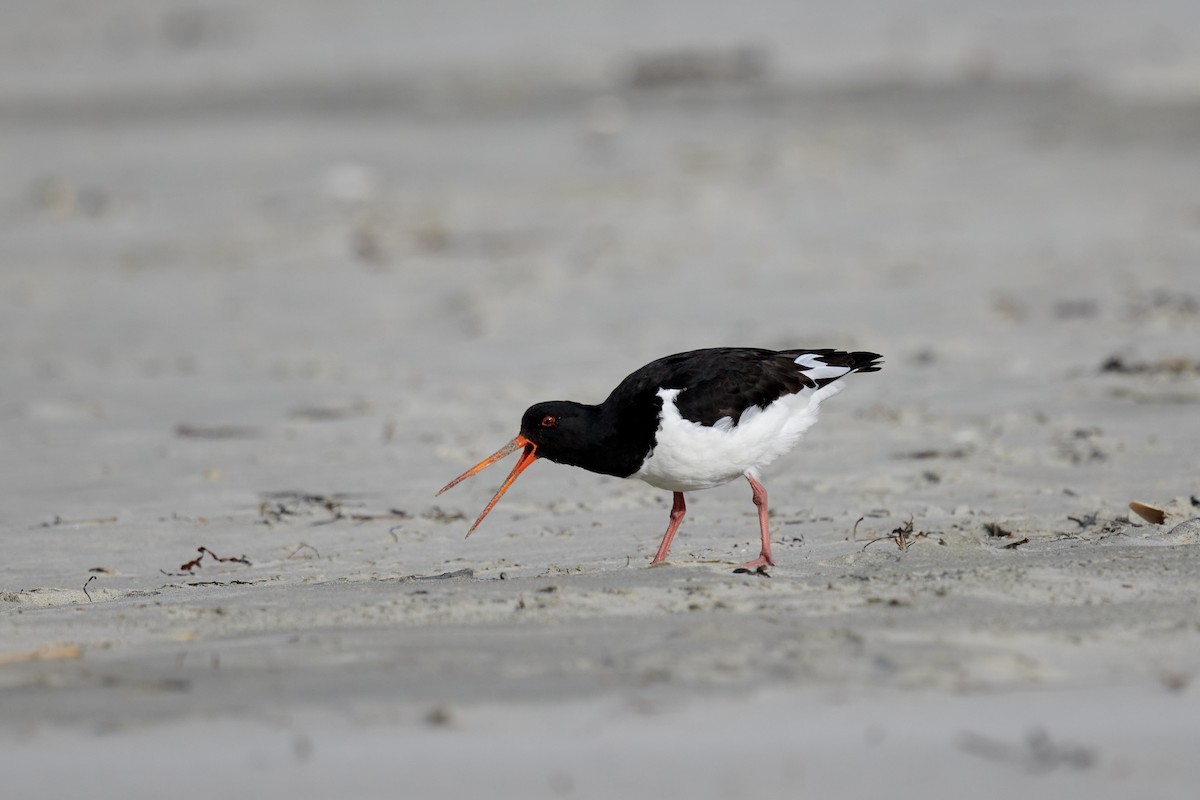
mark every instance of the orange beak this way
{"type": "Point", "coordinates": [524, 461]}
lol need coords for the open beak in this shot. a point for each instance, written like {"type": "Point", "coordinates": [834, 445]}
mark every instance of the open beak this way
{"type": "Point", "coordinates": [527, 458]}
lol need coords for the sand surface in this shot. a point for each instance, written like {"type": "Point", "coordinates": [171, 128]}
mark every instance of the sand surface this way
{"type": "Point", "coordinates": [272, 273]}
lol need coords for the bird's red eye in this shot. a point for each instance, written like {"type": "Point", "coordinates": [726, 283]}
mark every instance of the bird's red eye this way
{"type": "Point", "coordinates": [549, 421]}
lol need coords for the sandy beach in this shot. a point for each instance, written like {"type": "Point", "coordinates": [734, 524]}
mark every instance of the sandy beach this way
{"type": "Point", "coordinates": [273, 273]}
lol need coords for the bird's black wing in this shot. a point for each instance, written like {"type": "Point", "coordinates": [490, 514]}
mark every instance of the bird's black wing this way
{"type": "Point", "coordinates": [725, 381]}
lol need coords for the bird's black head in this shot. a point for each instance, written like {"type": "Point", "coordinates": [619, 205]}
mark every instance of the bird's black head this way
{"type": "Point", "coordinates": [563, 432]}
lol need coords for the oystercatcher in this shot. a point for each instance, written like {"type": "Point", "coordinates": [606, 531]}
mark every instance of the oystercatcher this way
{"type": "Point", "coordinates": [689, 421]}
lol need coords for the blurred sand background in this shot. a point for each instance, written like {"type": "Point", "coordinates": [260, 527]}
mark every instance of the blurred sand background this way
{"type": "Point", "coordinates": [273, 272]}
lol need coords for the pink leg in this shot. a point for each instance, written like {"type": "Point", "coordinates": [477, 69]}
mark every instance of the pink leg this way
{"type": "Point", "coordinates": [760, 499]}
{"type": "Point", "coordinates": [677, 511]}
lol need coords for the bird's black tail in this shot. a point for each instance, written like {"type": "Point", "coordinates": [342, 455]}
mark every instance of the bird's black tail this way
{"type": "Point", "coordinates": [857, 361]}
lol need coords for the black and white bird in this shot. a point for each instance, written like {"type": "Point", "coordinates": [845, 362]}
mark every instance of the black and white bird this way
{"type": "Point", "coordinates": [689, 421]}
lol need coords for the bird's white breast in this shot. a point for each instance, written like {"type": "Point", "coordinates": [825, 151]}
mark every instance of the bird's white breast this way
{"type": "Point", "coordinates": [688, 456]}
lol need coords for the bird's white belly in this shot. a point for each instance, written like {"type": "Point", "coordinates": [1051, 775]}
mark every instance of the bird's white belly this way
{"type": "Point", "coordinates": [688, 456]}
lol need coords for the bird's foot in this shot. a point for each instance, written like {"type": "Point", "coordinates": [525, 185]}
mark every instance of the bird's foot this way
{"type": "Point", "coordinates": [758, 565]}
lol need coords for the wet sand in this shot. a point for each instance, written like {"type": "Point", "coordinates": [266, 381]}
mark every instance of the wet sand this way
{"type": "Point", "coordinates": [271, 278]}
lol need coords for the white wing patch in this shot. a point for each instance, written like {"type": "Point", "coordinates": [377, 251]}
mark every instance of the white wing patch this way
{"type": "Point", "coordinates": [818, 370]}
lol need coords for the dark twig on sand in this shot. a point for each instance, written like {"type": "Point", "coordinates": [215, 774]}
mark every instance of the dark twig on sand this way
{"type": "Point", "coordinates": [303, 546]}
{"type": "Point", "coordinates": [902, 535]}
{"type": "Point", "coordinates": [278, 506]}
{"type": "Point", "coordinates": [195, 563]}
